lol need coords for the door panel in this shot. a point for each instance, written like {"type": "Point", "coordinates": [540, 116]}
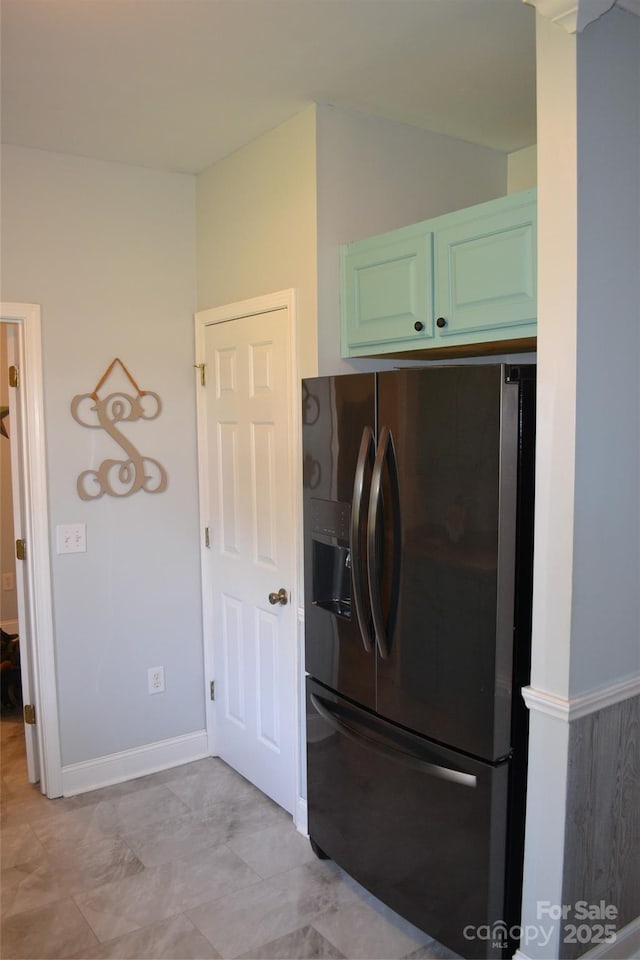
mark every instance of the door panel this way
{"type": "Point", "coordinates": [420, 826]}
{"type": "Point", "coordinates": [448, 674]}
{"type": "Point", "coordinates": [336, 412]}
{"type": "Point", "coordinates": [252, 499]}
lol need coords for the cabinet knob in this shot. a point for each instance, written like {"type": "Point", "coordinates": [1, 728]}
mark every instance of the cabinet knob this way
{"type": "Point", "coordinates": [418, 325]}
{"type": "Point", "coordinates": [441, 322]}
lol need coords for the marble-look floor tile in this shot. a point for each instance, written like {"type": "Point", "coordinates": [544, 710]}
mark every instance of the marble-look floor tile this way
{"type": "Point", "coordinates": [27, 806]}
{"type": "Point", "coordinates": [244, 816]}
{"type": "Point", "coordinates": [433, 950]}
{"type": "Point", "coordinates": [77, 824]}
{"type": "Point", "coordinates": [146, 805]}
{"type": "Point", "coordinates": [361, 931]}
{"type": "Point", "coordinates": [173, 939]}
{"type": "Point", "coordinates": [116, 791]}
{"type": "Point", "coordinates": [92, 864]}
{"type": "Point", "coordinates": [210, 786]}
{"type": "Point", "coordinates": [274, 849]}
{"type": "Point", "coordinates": [258, 914]}
{"type": "Point", "coordinates": [160, 892]}
{"type": "Point", "coordinates": [303, 944]}
{"type": "Point", "coordinates": [158, 843]}
{"type": "Point", "coordinates": [205, 766]}
{"type": "Point", "coordinates": [67, 869]}
{"type": "Point", "coordinates": [58, 931]}
{"type": "Point", "coordinates": [19, 844]}
{"type": "Point", "coordinates": [31, 886]}
{"type": "Point", "coordinates": [109, 817]}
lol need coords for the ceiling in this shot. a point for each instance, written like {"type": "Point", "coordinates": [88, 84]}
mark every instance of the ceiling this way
{"type": "Point", "coordinates": [179, 84]}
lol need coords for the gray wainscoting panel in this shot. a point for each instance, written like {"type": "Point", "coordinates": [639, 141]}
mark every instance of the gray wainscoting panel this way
{"type": "Point", "coordinates": [602, 838]}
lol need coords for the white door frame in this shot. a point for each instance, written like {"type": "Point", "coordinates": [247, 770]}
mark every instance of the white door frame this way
{"type": "Point", "coordinates": [204, 318]}
{"type": "Point", "coordinates": [38, 600]}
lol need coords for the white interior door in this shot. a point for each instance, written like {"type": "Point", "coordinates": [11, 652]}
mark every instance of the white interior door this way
{"type": "Point", "coordinates": [251, 506]}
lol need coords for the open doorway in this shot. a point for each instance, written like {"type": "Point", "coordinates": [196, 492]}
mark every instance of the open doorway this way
{"type": "Point", "coordinates": [33, 620]}
{"type": "Point", "coordinates": [13, 757]}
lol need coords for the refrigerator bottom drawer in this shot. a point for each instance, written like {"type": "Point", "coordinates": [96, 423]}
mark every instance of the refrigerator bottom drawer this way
{"type": "Point", "coordinates": [420, 826]}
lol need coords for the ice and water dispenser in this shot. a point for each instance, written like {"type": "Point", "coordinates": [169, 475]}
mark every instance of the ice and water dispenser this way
{"type": "Point", "coordinates": [331, 557]}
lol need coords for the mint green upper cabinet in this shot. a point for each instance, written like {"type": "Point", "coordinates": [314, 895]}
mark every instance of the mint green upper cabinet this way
{"type": "Point", "coordinates": [461, 281]}
{"type": "Point", "coordinates": [387, 287]}
{"type": "Point", "coordinates": [485, 271]}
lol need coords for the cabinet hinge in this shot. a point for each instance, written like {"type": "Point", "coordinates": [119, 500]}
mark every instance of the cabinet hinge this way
{"type": "Point", "coordinates": [207, 538]}
{"type": "Point", "coordinates": [203, 377]}
{"type": "Point", "coordinates": [212, 690]}
{"type": "Point", "coordinates": [29, 713]}
{"type": "Point", "coordinates": [14, 376]}
{"type": "Point", "coordinates": [21, 549]}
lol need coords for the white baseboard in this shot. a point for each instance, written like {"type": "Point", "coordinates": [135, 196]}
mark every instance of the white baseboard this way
{"type": "Point", "coordinates": [625, 947]}
{"type": "Point", "coordinates": [138, 762]}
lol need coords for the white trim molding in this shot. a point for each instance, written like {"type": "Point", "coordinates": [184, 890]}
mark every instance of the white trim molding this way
{"type": "Point", "coordinates": [286, 299]}
{"type": "Point", "coordinates": [38, 597]}
{"type": "Point", "coordinates": [138, 762]}
{"type": "Point", "coordinates": [575, 707]}
{"type": "Point", "coordinates": [575, 15]}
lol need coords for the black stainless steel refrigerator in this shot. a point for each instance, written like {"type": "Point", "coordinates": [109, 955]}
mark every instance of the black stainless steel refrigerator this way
{"type": "Point", "coordinates": [418, 526]}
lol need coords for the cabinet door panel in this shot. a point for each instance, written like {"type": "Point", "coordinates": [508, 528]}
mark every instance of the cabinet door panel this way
{"type": "Point", "coordinates": [486, 273]}
{"type": "Point", "coordinates": [387, 290]}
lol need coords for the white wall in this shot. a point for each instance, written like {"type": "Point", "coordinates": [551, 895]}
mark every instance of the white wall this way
{"type": "Point", "coordinates": [257, 225]}
{"type": "Point", "coordinates": [522, 169]}
{"type": "Point", "coordinates": [108, 251]}
{"type": "Point", "coordinates": [375, 175]}
{"type": "Point", "coordinates": [556, 348]}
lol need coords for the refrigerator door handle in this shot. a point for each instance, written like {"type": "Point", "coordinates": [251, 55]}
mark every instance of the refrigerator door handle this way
{"type": "Point", "coordinates": [331, 713]}
{"type": "Point", "coordinates": [365, 455]}
{"type": "Point", "coordinates": [386, 454]}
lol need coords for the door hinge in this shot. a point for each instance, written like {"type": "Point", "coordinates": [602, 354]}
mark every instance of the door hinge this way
{"type": "Point", "coordinates": [29, 713]}
{"type": "Point", "coordinates": [203, 377]}
{"type": "Point", "coordinates": [21, 549]}
{"type": "Point", "coordinates": [14, 376]}
{"type": "Point", "coordinates": [207, 538]}
{"type": "Point", "coordinates": [212, 689]}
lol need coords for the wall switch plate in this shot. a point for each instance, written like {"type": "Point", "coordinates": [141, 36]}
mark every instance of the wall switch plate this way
{"type": "Point", "coordinates": [8, 581]}
{"type": "Point", "coordinates": [155, 678]}
{"type": "Point", "coordinates": [71, 537]}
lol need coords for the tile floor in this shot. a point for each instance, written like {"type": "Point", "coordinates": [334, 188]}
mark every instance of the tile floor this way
{"type": "Point", "coordinates": [193, 862]}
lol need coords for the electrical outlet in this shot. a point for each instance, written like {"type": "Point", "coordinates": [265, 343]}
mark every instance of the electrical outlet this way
{"type": "Point", "coordinates": [8, 581]}
{"type": "Point", "coordinates": [155, 676]}
{"type": "Point", "coordinates": [71, 537]}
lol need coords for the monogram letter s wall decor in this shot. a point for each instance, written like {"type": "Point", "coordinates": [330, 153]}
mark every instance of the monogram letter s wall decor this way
{"type": "Point", "coordinates": [119, 478]}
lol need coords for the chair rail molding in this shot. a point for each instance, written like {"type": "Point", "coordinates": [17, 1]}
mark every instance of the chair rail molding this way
{"type": "Point", "coordinates": [574, 708]}
{"type": "Point", "coordinates": [575, 15]}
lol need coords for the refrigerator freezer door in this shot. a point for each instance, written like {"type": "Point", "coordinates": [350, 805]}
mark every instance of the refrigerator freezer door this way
{"type": "Point", "coordinates": [448, 671]}
{"type": "Point", "coordinates": [422, 827]}
{"type": "Point", "coordinates": [338, 416]}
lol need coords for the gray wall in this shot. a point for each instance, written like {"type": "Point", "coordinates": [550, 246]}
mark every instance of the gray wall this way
{"type": "Point", "coordinates": [376, 175]}
{"type": "Point", "coordinates": [108, 251]}
{"type": "Point", "coordinates": [605, 628]}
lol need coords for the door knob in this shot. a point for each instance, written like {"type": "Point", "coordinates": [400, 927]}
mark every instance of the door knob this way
{"type": "Point", "coordinates": [279, 597]}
